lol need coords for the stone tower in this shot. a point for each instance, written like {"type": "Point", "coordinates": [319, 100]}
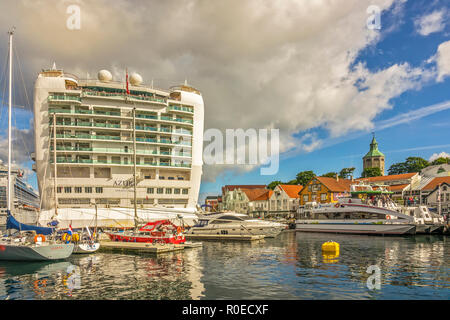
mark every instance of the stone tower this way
{"type": "Point", "coordinates": [374, 158]}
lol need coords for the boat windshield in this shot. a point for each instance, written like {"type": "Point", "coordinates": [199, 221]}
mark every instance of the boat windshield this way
{"type": "Point", "coordinates": [229, 217]}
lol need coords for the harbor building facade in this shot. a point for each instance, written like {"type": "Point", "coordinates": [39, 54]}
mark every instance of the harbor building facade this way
{"type": "Point", "coordinates": [325, 190]}
{"type": "Point", "coordinates": [442, 188]}
{"type": "Point", "coordinates": [91, 131]}
{"type": "Point", "coordinates": [285, 199]}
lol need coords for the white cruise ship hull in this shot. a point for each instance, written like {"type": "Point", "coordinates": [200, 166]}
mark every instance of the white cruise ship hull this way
{"type": "Point", "coordinates": [355, 227]}
{"type": "Point", "coordinates": [115, 217]}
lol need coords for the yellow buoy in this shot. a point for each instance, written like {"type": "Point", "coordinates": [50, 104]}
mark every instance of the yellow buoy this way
{"type": "Point", "coordinates": [330, 247]}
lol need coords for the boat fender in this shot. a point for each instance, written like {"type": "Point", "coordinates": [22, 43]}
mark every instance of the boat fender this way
{"type": "Point", "coordinates": [388, 217]}
{"type": "Point", "coordinates": [337, 205]}
{"type": "Point", "coordinates": [76, 237]}
{"type": "Point", "coordinates": [39, 238]}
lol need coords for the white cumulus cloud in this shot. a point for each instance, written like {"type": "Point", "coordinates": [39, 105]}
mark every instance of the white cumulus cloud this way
{"type": "Point", "coordinates": [443, 60]}
{"type": "Point", "coordinates": [430, 23]}
{"type": "Point", "coordinates": [439, 155]}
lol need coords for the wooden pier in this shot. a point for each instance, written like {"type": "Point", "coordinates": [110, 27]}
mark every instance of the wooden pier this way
{"type": "Point", "coordinates": [228, 237]}
{"type": "Point", "coordinates": [142, 247]}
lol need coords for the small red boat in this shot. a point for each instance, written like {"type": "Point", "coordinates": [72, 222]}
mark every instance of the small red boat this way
{"type": "Point", "coordinates": [157, 232]}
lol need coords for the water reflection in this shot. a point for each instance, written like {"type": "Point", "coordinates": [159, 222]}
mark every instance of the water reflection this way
{"type": "Point", "coordinates": [290, 266]}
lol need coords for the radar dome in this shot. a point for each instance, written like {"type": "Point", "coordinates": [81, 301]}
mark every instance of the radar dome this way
{"type": "Point", "coordinates": [104, 76]}
{"type": "Point", "coordinates": [135, 79]}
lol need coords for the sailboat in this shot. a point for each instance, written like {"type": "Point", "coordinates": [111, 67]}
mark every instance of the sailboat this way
{"type": "Point", "coordinates": [84, 244]}
{"type": "Point", "coordinates": [30, 243]}
{"type": "Point", "coordinates": [156, 232]}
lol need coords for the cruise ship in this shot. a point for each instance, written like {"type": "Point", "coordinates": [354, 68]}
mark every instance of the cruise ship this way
{"type": "Point", "coordinates": [25, 200]}
{"type": "Point", "coordinates": [88, 133]}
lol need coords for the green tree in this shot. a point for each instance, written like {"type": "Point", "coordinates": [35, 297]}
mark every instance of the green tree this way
{"type": "Point", "coordinates": [440, 160]}
{"type": "Point", "coordinates": [371, 172]}
{"type": "Point", "coordinates": [292, 182]}
{"type": "Point", "coordinates": [330, 175]}
{"type": "Point", "coordinates": [412, 164]}
{"type": "Point", "coordinates": [398, 168]}
{"type": "Point", "coordinates": [346, 173]}
{"type": "Point", "coordinates": [273, 184]}
{"type": "Point", "coordinates": [304, 177]}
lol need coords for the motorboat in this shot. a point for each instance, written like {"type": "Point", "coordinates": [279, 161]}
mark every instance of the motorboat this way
{"type": "Point", "coordinates": [233, 223]}
{"type": "Point", "coordinates": [426, 222]}
{"type": "Point", "coordinates": [85, 243]}
{"type": "Point", "coordinates": [158, 232]}
{"type": "Point", "coordinates": [365, 210]}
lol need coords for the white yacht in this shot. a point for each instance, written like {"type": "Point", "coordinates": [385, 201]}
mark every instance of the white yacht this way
{"type": "Point", "coordinates": [232, 223]}
{"type": "Point", "coordinates": [426, 221]}
{"type": "Point", "coordinates": [366, 211]}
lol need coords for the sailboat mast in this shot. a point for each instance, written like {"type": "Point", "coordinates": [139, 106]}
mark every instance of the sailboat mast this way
{"type": "Point", "coordinates": [9, 120]}
{"type": "Point", "coordinates": [54, 165]}
{"type": "Point", "coordinates": [134, 166]}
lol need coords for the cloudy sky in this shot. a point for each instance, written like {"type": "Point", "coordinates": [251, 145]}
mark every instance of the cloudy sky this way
{"type": "Point", "coordinates": [314, 69]}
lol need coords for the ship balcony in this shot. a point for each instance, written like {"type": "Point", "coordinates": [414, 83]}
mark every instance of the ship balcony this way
{"type": "Point", "coordinates": [176, 120]}
{"type": "Point", "coordinates": [63, 161]}
{"type": "Point", "coordinates": [180, 109]}
{"type": "Point", "coordinates": [63, 98]}
{"type": "Point", "coordinates": [123, 115]}
{"type": "Point", "coordinates": [187, 144]}
{"type": "Point", "coordinates": [80, 150]}
{"type": "Point", "coordinates": [118, 126]}
{"type": "Point", "coordinates": [121, 96]}
{"type": "Point", "coordinates": [102, 114]}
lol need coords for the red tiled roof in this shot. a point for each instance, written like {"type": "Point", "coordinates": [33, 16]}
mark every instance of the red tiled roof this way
{"type": "Point", "coordinates": [250, 186]}
{"type": "Point", "coordinates": [292, 190]}
{"type": "Point", "coordinates": [435, 182]}
{"type": "Point", "coordinates": [256, 194]}
{"type": "Point", "coordinates": [341, 185]}
{"type": "Point", "coordinates": [264, 196]}
{"type": "Point", "coordinates": [389, 178]}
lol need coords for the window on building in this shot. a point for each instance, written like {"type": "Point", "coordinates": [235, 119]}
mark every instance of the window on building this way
{"type": "Point", "coordinates": [305, 198]}
{"type": "Point", "coordinates": [67, 189]}
{"type": "Point", "coordinates": [98, 189]}
{"type": "Point", "coordinates": [185, 191]}
{"type": "Point", "coordinates": [168, 190]}
{"type": "Point", "coordinates": [160, 190]}
{"type": "Point", "coordinates": [78, 189]}
{"type": "Point", "coordinates": [150, 190]}
{"type": "Point", "coordinates": [59, 189]}
{"type": "Point", "coordinates": [88, 189]}
{"type": "Point", "coordinates": [323, 197]}
{"type": "Point", "coordinates": [161, 177]}
{"type": "Point", "coordinates": [176, 191]}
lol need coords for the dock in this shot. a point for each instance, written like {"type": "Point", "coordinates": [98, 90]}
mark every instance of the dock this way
{"type": "Point", "coordinates": [142, 247]}
{"type": "Point", "coordinates": [228, 237]}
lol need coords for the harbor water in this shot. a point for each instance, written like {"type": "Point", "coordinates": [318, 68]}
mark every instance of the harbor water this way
{"type": "Point", "coordinates": [290, 266]}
